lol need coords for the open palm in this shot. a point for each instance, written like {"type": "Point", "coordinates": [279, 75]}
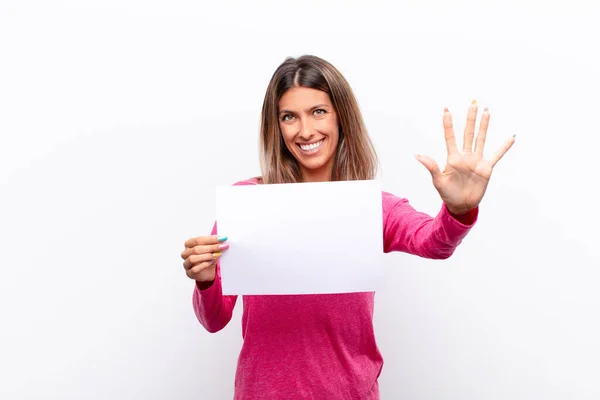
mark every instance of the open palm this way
{"type": "Point", "coordinates": [464, 180]}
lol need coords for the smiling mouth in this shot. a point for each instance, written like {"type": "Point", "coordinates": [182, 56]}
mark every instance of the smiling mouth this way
{"type": "Point", "coordinates": [312, 147]}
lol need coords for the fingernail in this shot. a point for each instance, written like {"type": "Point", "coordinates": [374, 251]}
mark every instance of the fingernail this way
{"type": "Point", "coordinates": [486, 109]}
{"type": "Point", "coordinates": [474, 101]}
{"type": "Point", "coordinates": [222, 238]}
{"type": "Point", "coordinates": [217, 254]}
{"type": "Point", "coordinates": [515, 135]}
{"type": "Point", "coordinates": [445, 109]}
{"type": "Point", "coordinates": [224, 247]}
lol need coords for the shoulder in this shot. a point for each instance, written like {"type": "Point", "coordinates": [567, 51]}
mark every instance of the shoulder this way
{"type": "Point", "coordinates": [395, 206]}
{"type": "Point", "coordinates": [251, 181]}
{"type": "Point", "coordinates": [391, 200]}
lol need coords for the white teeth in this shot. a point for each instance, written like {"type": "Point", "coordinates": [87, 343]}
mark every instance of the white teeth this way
{"type": "Point", "coordinates": [313, 146]}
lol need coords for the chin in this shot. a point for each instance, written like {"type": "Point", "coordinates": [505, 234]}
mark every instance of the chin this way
{"type": "Point", "coordinates": [315, 164]}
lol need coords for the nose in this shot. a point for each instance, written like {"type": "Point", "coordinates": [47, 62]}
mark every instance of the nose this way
{"type": "Point", "coordinates": [306, 131]}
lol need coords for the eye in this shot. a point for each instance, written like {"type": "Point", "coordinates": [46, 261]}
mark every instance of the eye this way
{"type": "Point", "coordinates": [320, 111]}
{"type": "Point", "coordinates": [287, 117]}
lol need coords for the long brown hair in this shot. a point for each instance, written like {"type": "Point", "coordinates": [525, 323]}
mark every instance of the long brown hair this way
{"type": "Point", "coordinates": [355, 157]}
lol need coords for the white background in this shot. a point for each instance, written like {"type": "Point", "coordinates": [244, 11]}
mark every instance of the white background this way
{"type": "Point", "coordinates": [118, 119]}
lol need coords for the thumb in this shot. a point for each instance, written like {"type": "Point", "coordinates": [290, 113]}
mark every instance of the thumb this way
{"type": "Point", "coordinates": [430, 164]}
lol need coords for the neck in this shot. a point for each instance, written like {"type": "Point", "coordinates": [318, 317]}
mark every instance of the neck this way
{"type": "Point", "coordinates": [320, 175]}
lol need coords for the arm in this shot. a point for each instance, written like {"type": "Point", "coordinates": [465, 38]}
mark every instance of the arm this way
{"type": "Point", "coordinates": [212, 309]}
{"type": "Point", "coordinates": [414, 232]}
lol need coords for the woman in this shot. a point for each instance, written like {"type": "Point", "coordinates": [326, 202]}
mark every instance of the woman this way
{"type": "Point", "coordinates": [323, 346]}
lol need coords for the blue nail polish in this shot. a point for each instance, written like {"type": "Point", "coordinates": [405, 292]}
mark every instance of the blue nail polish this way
{"type": "Point", "coordinates": [222, 238]}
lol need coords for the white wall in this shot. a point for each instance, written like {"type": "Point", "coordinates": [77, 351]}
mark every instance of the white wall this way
{"type": "Point", "coordinates": [118, 119]}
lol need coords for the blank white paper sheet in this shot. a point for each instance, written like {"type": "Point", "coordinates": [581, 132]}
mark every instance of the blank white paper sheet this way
{"type": "Point", "coordinates": [301, 238]}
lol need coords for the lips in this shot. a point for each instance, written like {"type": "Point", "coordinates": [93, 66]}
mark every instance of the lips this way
{"type": "Point", "coordinates": [310, 148]}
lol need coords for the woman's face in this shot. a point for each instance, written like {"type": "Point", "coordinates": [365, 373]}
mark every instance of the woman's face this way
{"type": "Point", "coordinates": [309, 126]}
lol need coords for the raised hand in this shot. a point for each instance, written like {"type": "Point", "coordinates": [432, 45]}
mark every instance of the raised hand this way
{"type": "Point", "coordinates": [464, 180]}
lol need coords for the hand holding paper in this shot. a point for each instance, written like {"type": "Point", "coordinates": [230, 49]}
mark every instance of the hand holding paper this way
{"type": "Point", "coordinates": [200, 257]}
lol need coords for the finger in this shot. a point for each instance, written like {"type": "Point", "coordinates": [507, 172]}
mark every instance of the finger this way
{"type": "Point", "coordinates": [470, 128]}
{"type": "Point", "coordinates": [204, 240]}
{"type": "Point", "coordinates": [502, 150]}
{"type": "Point", "coordinates": [430, 164]}
{"type": "Point", "coordinates": [213, 248]}
{"type": "Point", "coordinates": [195, 260]}
{"type": "Point", "coordinates": [449, 133]}
{"type": "Point", "coordinates": [191, 273]}
{"type": "Point", "coordinates": [483, 127]}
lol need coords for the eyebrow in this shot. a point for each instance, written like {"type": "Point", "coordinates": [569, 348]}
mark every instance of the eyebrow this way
{"type": "Point", "coordinates": [310, 109]}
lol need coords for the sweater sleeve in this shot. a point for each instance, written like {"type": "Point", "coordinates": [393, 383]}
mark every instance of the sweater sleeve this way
{"type": "Point", "coordinates": [418, 233]}
{"type": "Point", "coordinates": [212, 309]}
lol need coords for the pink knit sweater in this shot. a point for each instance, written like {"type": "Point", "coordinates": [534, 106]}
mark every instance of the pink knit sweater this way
{"type": "Point", "coordinates": [323, 346]}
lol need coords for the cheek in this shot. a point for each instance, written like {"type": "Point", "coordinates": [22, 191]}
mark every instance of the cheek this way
{"type": "Point", "coordinates": [336, 137]}
{"type": "Point", "coordinates": [287, 133]}
{"type": "Point", "coordinates": [334, 131]}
